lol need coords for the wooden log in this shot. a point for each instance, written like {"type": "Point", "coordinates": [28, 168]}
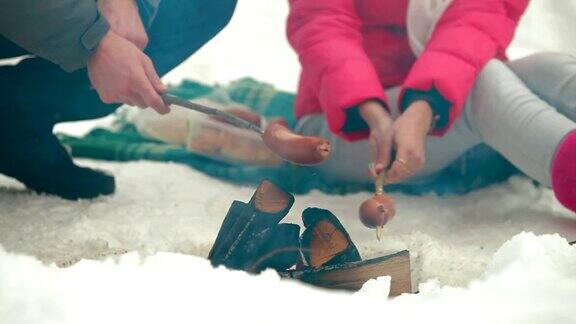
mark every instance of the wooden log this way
{"type": "Point", "coordinates": [325, 241]}
{"type": "Point", "coordinates": [249, 231]}
{"type": "Point", "coordinates": [351, 276]}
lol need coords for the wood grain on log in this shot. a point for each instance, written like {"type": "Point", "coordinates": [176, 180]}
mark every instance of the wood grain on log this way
{"type": "Point", "coordinates": [351, 276]}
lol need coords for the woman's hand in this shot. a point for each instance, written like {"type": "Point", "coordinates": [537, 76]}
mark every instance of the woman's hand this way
{"type": "Point", "coordinates": [407, 137]}
{"type": "Point", "coordinates": [379, 121]}
{"type": "Point", "coordinates": [124, 20]}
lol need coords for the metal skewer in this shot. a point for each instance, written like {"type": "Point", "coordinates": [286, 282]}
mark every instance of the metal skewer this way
{"type": "Point", "coordinates": [379, 182]}
{"type": "Point", "coordinates": [236, 121]}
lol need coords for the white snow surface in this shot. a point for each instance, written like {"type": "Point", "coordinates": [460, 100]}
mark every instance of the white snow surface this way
{"type": "Point", "coordinates": [168, 215]}
{"type": "Point", "coordinates": [530, 280]}
{"type": "Point", "coordinates": [172, 208]}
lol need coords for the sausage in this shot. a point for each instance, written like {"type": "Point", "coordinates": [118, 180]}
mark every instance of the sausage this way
{"type": "Point", "coordinates": [377, 211]}
{"type": "Point", "coordinates": [298, 149]}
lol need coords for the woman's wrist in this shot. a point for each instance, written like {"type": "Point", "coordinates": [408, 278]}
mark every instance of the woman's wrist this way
{"type": "Point", "coordinates": [421, 111]}
{"type": "Point", "coordinates": [421, 107]}
{"type": "Point", "coordinates": [374, 113]}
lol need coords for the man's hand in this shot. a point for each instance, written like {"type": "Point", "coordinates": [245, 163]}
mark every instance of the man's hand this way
{"type": "Point", "coordinates": [408, 137]}
{"type": "Point", "coordinates": [124, 20]}
{"type": "Point", "coordinates": [122, 73]}
{"type": "Point", "coordinates": [379, 122]}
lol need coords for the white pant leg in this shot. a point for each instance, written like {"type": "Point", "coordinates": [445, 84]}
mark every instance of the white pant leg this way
{"type": "Point", "coordinates": [552, 77]}
{"type": "Point", "coordinates": [510, 118]}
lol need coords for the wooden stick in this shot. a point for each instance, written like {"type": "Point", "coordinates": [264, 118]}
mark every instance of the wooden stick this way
{"type": "Point", "coordinates": [379, 231]}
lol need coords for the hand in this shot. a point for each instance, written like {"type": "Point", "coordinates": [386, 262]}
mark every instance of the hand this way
{"type": "Point", "coordinates": [124, 20]}
{"type": "Point", "coordinates": [408, 137]}
{"type": "Point", "coordinates": [379, 122]}
{"type": "Point", "coordinates": [121, 73]}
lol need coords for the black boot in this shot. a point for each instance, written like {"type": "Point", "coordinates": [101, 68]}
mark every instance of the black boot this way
{"type": "Point", "coordinates": [44, 166]}
{"type": "Point", "coordinates": [35, 95]}
{"type": "Point", "coordinates": [30, 153]}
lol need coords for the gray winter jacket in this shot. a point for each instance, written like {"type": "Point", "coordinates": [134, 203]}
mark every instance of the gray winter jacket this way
{"type": "Point", "coordinates": [65, 32]}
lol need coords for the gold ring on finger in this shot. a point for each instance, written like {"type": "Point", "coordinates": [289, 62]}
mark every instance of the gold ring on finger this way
{"type": "Point", "coordinates": [404, 165]}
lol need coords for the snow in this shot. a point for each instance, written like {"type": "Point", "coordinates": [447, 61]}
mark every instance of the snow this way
{"type": "Point", "coordinates": [376, 288]}
{"type": "Point", "coordinates": [172, 208]}
{"type": "Point", "coordinates": [530, 279]}
{"type": "Point", "coordinates": [167, 216]}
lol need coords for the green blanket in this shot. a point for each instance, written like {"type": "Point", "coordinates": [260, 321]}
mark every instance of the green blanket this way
{"type": "Point", "coordinates": [477, 168]}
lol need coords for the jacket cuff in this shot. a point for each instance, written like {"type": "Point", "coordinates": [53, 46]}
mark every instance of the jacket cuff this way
{"type": "Point", "coordinates": [440, 106]}
{"type": "Point", "coordinates": [352, 83]}
{"type": "Point", "coordinates": [450, 75]}
{"type": "Point", "coordinates": [88, 44]}
{"type": "Point", "coordinates": [355, 126]}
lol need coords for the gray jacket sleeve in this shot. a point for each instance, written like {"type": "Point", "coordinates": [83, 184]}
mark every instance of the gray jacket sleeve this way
{"type": "Point", "coordinates": [65, 32]}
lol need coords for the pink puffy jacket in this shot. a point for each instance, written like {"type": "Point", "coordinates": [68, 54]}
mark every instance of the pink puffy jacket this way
{"type": "Point", "coordinates": [351, 50]}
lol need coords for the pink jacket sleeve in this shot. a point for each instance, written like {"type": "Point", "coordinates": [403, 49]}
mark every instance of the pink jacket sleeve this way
{"type": "Point", "coordinates": [327, 37]}
{"type": "Point", "coordinates": [467, 36]}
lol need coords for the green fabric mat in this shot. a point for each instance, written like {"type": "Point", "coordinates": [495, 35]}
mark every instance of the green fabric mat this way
{"type": "Point", "coordinates": [478, 168]}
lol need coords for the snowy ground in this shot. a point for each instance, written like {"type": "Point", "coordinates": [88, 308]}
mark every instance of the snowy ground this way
{"type": "Point", "coordinates": [175, 210]}
{"type": "Point", "coordinates": [530, 280]}
{"type": "Point", "coordinates": [172, 208]}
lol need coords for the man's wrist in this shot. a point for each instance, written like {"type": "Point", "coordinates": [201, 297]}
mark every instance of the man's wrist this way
{"type": "Point", "coordinates": [102, 3]}
{"type": "Point", "coordinates": [102, 43]}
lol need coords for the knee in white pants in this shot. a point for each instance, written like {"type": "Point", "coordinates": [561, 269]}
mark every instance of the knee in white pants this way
{"type": "Point", "coordinates": [485, 98]}
{"type": "Point", "coordinates": [552, 76]}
